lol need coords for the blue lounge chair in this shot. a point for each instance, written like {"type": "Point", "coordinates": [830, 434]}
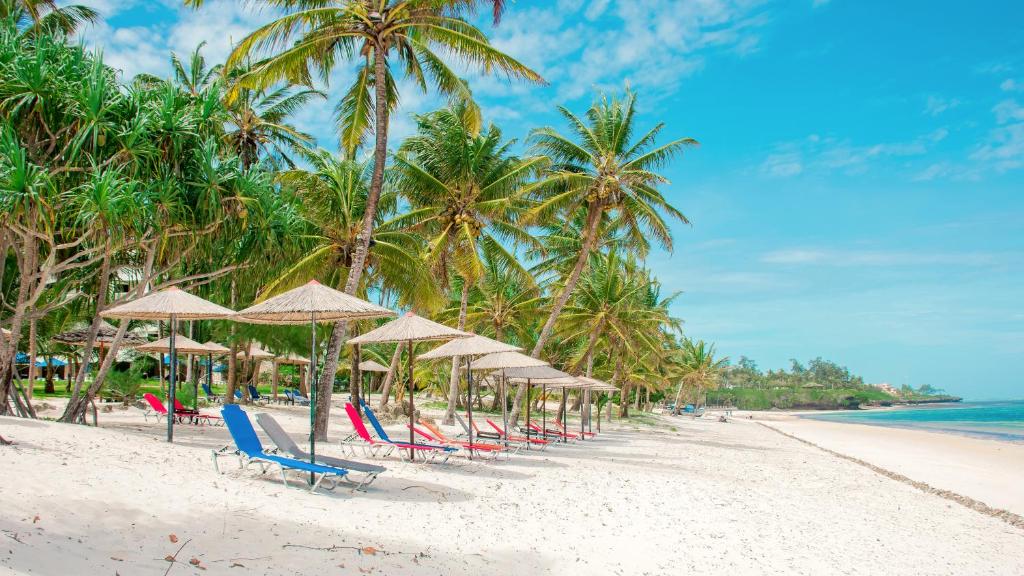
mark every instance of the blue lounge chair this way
{"type": "Point", "coordinates": [238, 394]}
{"type": "Point", "coordinates": [255, 395]}
{"type": "Point", "coordinates": [285, 444]}
{"type": "Point", "coordinates": [296, 397]}
{"type": "Point", "coordinates": [250, 450]}
{"type": "Point", "coordinates": [384, 435]}
{"type": "Point", "coordinates": [209, 394]}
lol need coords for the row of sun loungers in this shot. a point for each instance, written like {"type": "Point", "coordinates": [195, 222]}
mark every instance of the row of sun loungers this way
{"type": "Point", "coordinates": [328, 471]}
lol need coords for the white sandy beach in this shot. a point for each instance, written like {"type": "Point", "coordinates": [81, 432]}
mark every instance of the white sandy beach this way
{"type": "Point", "coordinates": [686, 497]}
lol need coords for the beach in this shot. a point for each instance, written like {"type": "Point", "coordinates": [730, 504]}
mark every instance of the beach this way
{"type": "Point", "coordinates": [985, 470]}
{"type": "Point", "coordinates": [677, 495]}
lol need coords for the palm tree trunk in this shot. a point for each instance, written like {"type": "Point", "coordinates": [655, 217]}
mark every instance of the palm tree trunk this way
{"type": "Point", "coordinates": [453, 381]}
{"type": "Point", "coordinates": [385, 390]}
{"type": "Point", "coordinates": [94, 328]}
{"type": "Point", "coordinates": [589, 240]}
{"type": "Point", "coordinates": [31, 357]}
{"type": "Point", "coordinates": [232, 377]}
{"type": "Point", "coordinates": [325, 386]}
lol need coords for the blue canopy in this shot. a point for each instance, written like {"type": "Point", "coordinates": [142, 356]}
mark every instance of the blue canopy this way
{"type": "Point", "coordinates": [54, 362]}
{"type": "Point", "coordinates": [21, 358]}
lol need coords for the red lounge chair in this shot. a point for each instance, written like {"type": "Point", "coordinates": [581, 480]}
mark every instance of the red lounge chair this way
{"type": "Point", "coordinates": [558, 425]}
{"type": "Point", "coordinates": [437, 436]}
{"type": "Point", "coordinates": [375, 448]}
{"type": "Point", "coordinates": [542, 442]}
{"type": "Point", "coordinates": [159, 411]}
{"type": "Point", "coordinates": [195, 416]}
{"type": "Point", "coordinates": [549, 432]}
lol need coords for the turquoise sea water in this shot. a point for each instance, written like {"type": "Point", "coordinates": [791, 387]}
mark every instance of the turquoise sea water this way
{"type": "Point", "coordinates": [995, 420]}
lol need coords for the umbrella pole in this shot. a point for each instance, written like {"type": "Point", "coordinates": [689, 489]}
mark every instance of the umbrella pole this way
{"type": "Point", "coordinates": [528, 429]}
{"type": "Point", "coordinates": [565, 414]}
{"type": "Point", "coordinates": [469, 405]}
{"type": "Point", "coordinates": [412, 408]}
{"type": "Point", "coordinates": [170, 387]}
{"type": "Point", "coordinates": [583, 395]}
{"type": "Point", "coordinates": [209, 372]}
{"type": "Point", "coordinates": [312, 393]}
{"type": "Point", "coordinates": [544, 406]}
{"type": "Point", "coordinates": [504, 407]}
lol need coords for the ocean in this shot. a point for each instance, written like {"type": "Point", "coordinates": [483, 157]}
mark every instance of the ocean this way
{"type": "Point", "coordinates": [993, 420]}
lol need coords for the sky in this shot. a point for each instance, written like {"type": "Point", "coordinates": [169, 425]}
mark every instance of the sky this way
{"type": "Point", "coordinates": [858, 191]}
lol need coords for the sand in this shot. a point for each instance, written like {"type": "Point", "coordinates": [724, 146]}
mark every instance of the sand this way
{"type": "Point", "coordinates": [682, 497]}
{"type": "Point", "coordinates": [986, 470]}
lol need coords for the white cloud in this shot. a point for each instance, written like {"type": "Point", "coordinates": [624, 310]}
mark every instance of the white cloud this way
{"type": "Point", "coordinates": [651, 44]}
{"type": "Point", "coordinates": [828, 154]}
{"type": "Point", "coordinates": [833, 257]}
{"type": "Point", "coordinates": [1011, 85]}
{"type": "Point", "coordinates": [935, 105]}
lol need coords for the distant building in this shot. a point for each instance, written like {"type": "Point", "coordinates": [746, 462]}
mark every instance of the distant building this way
{"type": "Point", "coordinates": [887, 388]}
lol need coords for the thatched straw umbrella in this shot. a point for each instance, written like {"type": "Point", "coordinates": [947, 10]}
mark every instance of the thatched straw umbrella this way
{"type": "Point", "coordinates": [543, 375]}
{"type": "Point", "coordinates": [371, 366]}
{"type": "Point", "coordinates": [290, 359]}
{"type": "Point", "coordinates": [595, 385]}
{"type": "Point", "coordinates": [181, 344]}
{"type": "Point", "coordinates": [410, 329]}
{"type": "Point", "coordinates": [215, 349]}
{"type": "Point", "coordinates": [104, 337]}
{"type": "Point", "coordinates": [500, 361]}
{"type": "Point", "coordinates": [468, 348]}
{"type": "Point", "coordinates": [313, 302]}
{"type": "Point", "coordinates": [172, 304]}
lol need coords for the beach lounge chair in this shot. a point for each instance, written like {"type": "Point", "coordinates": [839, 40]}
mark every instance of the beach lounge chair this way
{"type": "Point", "coordinates": [514, 438]}
{"type": "Point", "coordinates": [551, 433]}
{"type": "Point", "coordinates": [380, 429]}
{"type": "Point", "coordinates": [210, 396]}
{"type": "Point", "coordinates": [296, 397]}
{"type": "Point", "coordinates": [381, 448]}
{"type": "Point", "coordinates": [254, 394]}
{"type": "Point", "coordinates": [285, 443]}
{"type": "Point", "coordinates": [476, 431]}
{"type": "Point", "coordinates": [478, 446]}
{"type": "Point", "coordinates": [238, 394]}
{"type": "Point", "coordinates": [194, 416]}
{"type": "Point", "coordinates": [436, 435]}
{"type": "Point", "coordinates": [250, 451]}
{"type": "Point", "coordinates": [561, 428]}
{"type": "Point", "coordinates": [156, 408]}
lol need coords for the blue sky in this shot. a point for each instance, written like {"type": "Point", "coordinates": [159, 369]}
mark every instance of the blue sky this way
{"type": "Point", "coordinates": [859, 189]}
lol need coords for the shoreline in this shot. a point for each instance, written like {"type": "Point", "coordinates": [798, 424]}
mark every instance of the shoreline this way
{"type": "Point", "coordinates": [985, 470]}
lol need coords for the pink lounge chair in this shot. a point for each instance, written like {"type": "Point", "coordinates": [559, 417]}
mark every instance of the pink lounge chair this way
{"type": "Point", "coordinates": [380, 448]}
{"type": "Point", "coordinates": [511, 438]}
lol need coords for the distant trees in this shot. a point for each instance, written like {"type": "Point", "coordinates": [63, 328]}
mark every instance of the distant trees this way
{"type": "Point", "coordinates": [818, 372]}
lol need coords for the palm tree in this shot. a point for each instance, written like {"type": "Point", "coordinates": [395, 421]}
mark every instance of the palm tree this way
{"type": "Point", "coordinates": [465, 186]}
{"type": "Point", "coordinates": [333, 196]}
{"type": "Point", "coordinates": [255, 120]}
{"type": "Point", "coordinates": [311, 36]}
{"type": "Point", "coordinates": [601, 172]}
{"type": "Point", "coordinates": [700, 369]}
{"type": "Point", "coordinates": [35, 16]}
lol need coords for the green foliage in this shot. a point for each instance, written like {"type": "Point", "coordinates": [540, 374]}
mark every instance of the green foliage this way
{"type": "Point", "coordinates": [798, 398]}
{"type": "Point", "coordinates": [126, 385]}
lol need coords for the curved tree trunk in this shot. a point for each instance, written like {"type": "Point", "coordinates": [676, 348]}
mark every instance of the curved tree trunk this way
{"type": "Point", "coordinates": [325, 385]}
{"type": "Point", "coordinates": [385, 389]}
{"type": "Point", "coordinates": [589, 241]}
{"type": "Point", "coordinates": [453, 381]}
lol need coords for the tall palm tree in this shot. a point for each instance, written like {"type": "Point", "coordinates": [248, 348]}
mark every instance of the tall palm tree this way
{"type": "Point", "coordinates": [311, 36]}
{"type": "Point", "coordinates": [466, 186]}
{"type": "Point", "coordinates": [700, 369]}
{"type": "Point", "coordinates": [332, 195]}
{"type": "Point", "coordinates": [603, 173]}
